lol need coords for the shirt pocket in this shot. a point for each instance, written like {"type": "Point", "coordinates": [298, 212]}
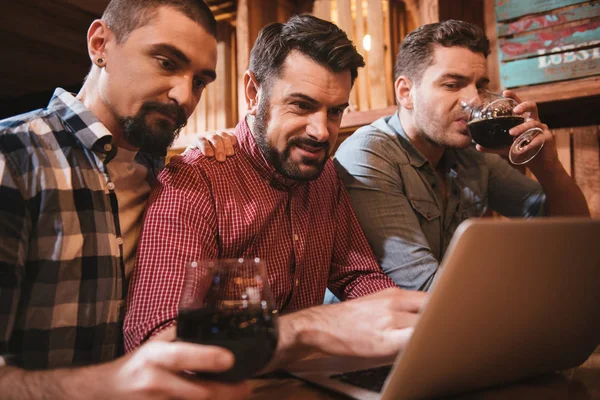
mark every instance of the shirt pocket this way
{"type": "Point", "coordinates": [425, 209]}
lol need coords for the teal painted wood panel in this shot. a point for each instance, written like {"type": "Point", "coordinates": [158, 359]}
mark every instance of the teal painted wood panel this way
{"type": "Point", "coordinates": [551, 68]}
{"type": "Point", "coordinates": [510, 9]}
{"type": "Point", "coordinates": [555, 18]}
{"type": "Point", "coordinates": [549, 41]}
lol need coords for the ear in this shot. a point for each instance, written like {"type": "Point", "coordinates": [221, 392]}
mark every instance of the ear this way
{"type": "Point", "coordinates": [251, 92]}
{"type": "Point", "coordinates": [403, 88]}
{"type": "Point", "coordinates": [97, 38]}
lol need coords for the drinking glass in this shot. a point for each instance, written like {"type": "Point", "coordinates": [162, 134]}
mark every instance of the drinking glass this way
{"type": "Point", "coordinates": [228, 303]}
{"type": "Point", "coordinates": [489, 122]}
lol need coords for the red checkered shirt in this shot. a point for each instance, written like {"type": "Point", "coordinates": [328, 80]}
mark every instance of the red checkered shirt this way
{"type": "Point", "coordinates": [307, 234]}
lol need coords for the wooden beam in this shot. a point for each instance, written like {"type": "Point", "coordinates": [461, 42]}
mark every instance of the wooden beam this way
{"type": "Point", "coordinates": [362, 81]}
{"type": "Point", "coordinates": [560, 90]}
{"type": "Point", "coordinates": [354, 120]}
{"type": "Point", "coordinates": [345, 22]}
{"type": "Point", "coordinates": [428, 11]}
{"type": "Point", "coordinates": [244, 43]}
{"type": "Point", "coordinates": [322, 9]}
{"type": "Point", "coordinates": [376, 54]}
{"type": "Point", "coordinates": [493, 67]}
{"type": "Point", "coordinates": [587, 165]}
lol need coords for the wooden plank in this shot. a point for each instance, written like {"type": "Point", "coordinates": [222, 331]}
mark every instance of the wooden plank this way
{"type": "Point", "coordinates": [558, 17]}
{"type": "Point", "coordinates": [376, 58]}
{"type": "Point", "coordinates": [511, 9]}
{"type": "Point", "coordinates": [429, 11]}
{"type": "Point", "coordinates": [243, 52]}
{"type": "Point", "coordinates": [493, 66]}
{"type": "Point", "coordinates": [362, 81]}
{"type": "Point", "coordinates": [345, 22]}
{"type": "Point", "coordinates": [550, 41]}
{"type": "Point", "coordinates": [322, 9]}
{"type": "Point", "coordinates": [389, 55]}
{"type": "Point", "coordinates": [562, 138]}
{"type": "Point", "coordinates": [557, 67]}
{"type": "Point", "coordinates": [586, 154]}
{"type": "Point", "coordinates": [561, 90]}
{"type": "Point", "coordinates": [224, 101]}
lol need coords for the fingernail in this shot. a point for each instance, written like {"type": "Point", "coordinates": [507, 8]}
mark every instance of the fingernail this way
{"type": "Point", "coordinates": [225, 359]}
{"type": "Point", "coordinates": [221, 157]}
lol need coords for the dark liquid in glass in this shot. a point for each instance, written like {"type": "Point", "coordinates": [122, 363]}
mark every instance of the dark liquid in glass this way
{"type": "Point", "coordinates": [493, 133]}
{"type": "Point", "coordinates": [249, 334]}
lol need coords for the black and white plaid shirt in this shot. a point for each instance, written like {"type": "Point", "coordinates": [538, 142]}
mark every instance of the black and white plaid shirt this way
{"type": "Point", "coordinates": [61, 272]}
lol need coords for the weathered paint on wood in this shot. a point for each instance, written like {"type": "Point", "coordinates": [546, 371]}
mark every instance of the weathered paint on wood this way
{"type": "Point", "coordinates": [558, 17]}
{"type": "Point", "coordinates": [549, 41]}
{"type": "Point", "coordinates": [552, 68]}
{"type": "Point", "coordinates": [511, 9]}
{"type": "Point", "coordinates": [587, 165]}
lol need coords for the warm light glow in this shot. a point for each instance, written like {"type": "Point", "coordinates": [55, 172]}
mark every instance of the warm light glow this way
{"type": "Point", "coordinates": [367, 42]}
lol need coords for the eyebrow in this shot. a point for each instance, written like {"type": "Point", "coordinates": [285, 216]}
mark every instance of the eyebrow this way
{"type": "Point", "coordinates": [459, 77]}
{"type": "Point", "coordinates": [313, 101]}
{"type": "Point", "coordinates": [176, 53]}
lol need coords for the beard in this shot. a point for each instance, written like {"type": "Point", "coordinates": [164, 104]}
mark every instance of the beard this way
{"type": "Point", "coordinates": [438, 131]}
{"type": "Point", "coordinates": [153, 138]}
{"type": "Point", "coordinates": [280, 160]}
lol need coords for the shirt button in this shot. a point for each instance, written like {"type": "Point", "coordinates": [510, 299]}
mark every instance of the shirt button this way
{"type": "Point", "coordinates": [107, 147]}
{"type": "Point", "coordinates": [110, 186]}
{"type": "Point", "coordinates": [296, 237]}
{"type": "Point", "coordinates": [428, 215]}
{"type": "Point", "coordinates": [297, 281]}
{"type": "Point", "coordinates": [119, 241]}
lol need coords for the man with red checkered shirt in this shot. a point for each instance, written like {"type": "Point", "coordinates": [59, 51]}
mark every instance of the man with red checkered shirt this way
{"type": "Point", "coordinates": [278, 198]}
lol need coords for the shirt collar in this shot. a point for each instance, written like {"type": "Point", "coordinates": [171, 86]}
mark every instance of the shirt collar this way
{"type": "Point", "coordinates": [414, 155]}
{"type": "Point", "coordinates": [82, 122]}
{"type": "Point", "coordinates": [256, 158]}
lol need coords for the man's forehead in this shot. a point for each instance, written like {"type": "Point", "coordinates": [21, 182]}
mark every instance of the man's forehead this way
{"type": "Point", "coordinates": [457, 60]}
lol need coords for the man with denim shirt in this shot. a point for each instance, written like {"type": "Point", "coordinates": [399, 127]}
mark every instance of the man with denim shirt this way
{"type": "Point", "coordinates": [413, 177]}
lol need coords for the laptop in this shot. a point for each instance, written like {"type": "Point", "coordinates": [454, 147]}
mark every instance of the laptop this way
{"type": "Point", "coordinates": [512, 299]}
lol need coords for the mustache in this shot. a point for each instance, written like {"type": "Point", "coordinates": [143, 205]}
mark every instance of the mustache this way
{"type": "Point", "coordinates": [309, 142]}
{"type": "Point", "coordinates": [171, 110]}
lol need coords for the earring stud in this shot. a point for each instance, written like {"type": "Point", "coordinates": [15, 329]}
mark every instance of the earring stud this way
{"type": "Point", "coordinates": [100, 61]}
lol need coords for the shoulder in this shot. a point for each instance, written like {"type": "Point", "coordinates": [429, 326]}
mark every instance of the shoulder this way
{"type": "Point", "coordinates": [376, 140]}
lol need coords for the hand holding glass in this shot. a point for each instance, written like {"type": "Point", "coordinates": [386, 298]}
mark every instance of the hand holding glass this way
{"type": "Point", "coordinates": [492, 117]}
{"type": "Point", "coordinates": [228, 303]}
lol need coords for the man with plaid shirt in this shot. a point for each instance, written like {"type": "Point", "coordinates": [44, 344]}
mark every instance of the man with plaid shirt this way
{"type": "Point", "coordinates": [74, 179]}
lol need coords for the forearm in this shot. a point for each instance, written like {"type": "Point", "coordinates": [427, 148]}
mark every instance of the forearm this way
{"type": "Point", "coordinates": [16, 383]}
{"type": "Point", "coordinates": [563, 196]}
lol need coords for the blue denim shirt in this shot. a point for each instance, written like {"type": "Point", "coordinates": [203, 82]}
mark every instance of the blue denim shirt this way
{"type": "Point", "coordinates": [399, 204]}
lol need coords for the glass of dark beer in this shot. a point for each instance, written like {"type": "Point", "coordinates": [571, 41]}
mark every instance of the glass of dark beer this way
{"type": "Point", "coordinates": [489, 122]}
{"type": "Point", "coordinates": [228, 303]}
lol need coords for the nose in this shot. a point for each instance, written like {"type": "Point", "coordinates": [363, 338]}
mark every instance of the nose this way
{"type": "Point", "coordinates": [471, 97]}
{"type": "Point", "coordinates": [183, 94]}
{"type": "Point", "coordinates": [317, 127]}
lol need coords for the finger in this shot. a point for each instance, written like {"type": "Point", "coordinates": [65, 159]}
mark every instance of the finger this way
{"type": "Point", "coordinates": [180, 356]}
{"type": "Point", "coordinates": [527, 106]}
{"type": "Point", "coordinates": [521, 128]}
{"type": "Point", "coordinates": [218, 144]}
{"type": "Point", "coordinates": [412, 301]}
{"type": "Point", "coordinates": [395, 340]}
{"type": "Point", "coordinates": [512, 95]}
{"type": "Point", "coordinates": [205, 147]}
{"type": "Point", "coordinates": [229, 140]}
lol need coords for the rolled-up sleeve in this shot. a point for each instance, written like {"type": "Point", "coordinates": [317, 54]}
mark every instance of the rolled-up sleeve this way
{"type": "Point", "coordinates": [511, 193]}
{"type": "Point", "coordinates": [373, 179]}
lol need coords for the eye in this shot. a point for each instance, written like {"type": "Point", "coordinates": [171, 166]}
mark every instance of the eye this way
{"type": "Point", "coordinates": [336, 112]}
{"type": "Point", "coordinates": [450, 85]}
{"type": "Point", "coordinates": [303, 105]}
{"type": "Point", "coordinates": [166, 64]}
{"type": "Point", "coordinates": [199, 84]}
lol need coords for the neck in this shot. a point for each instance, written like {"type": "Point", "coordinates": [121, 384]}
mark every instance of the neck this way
{"type": "Point", "coordinates": [89, 95]}
{"type": "Point", "coordinates": [432, 152]}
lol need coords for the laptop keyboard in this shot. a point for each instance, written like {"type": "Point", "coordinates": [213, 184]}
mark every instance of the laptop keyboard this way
{"type": "Point", "coordinates": [370, 379]}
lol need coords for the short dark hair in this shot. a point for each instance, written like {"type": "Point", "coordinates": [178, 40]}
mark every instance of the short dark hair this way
{"type": "Point", "coordinates": [416, 51]}
{"type": "Point", "coordinates": [124, 16]}
{"type": "Point", "coordinates": [315, 38]}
